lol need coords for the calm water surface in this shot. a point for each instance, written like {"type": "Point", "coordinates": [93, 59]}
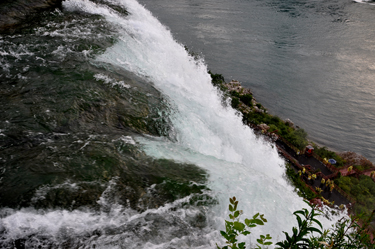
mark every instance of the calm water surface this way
{"type": "Point", "coordinates": [310, 61]}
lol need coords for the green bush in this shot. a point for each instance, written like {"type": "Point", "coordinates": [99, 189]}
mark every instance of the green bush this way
{"type": "Point", "coordinates": [323, 152]}
{"type": "Point", "coordinates": [273, 128]}
{"type": "Point", "coordinates": [297, 138]}
{"type": "Point", "coordinates": [362, 190]}
{"type": "Point", "coordinates": [235, 102]}
{"type": "Point", "coordinates": [234, 227]}
{"type": "Point", "coordinates": [301, 188]}
{"type": "Point", "coordinates": [234, 94]}
{"type": "Point", "coordinates": [256, 118]}
{"type": "Point", "coordinates": [246, 99]}
{"type": "Point", "coordinates": [216, 79]}
{"type": "Point", "coordinates": [275, 120]}
{"type": "Point", "coordinates": [360, 168]}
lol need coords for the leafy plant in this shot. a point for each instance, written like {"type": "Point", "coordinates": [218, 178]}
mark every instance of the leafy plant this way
{"type": "Point", "coordinates": [234, 227]}
{"type": "Point", "coordinates": [301, 188]}
{"type": "Point", "coordinates": [362, 189]}
{"type": "Point", "coordinates": [323, 152]}
{"type": "Point", "coordinates": [346, 233]}
{"type": "Point", "coordinates": [246, 99]}
{"type": "Point", "coordinates": [216, 78]}
{"type": "Point", "coordinates": [235, 102]}
{"type": "Point", "coordinates": [299, 239]}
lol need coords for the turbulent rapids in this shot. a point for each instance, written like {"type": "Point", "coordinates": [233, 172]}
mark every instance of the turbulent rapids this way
{"type": "Point", "coordinates": [112, 136]}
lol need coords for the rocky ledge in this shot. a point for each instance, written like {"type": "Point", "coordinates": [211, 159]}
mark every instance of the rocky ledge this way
{"type": "Point", "coordinates": [14, 13]}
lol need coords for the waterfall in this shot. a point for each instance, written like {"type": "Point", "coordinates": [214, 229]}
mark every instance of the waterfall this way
{"type": "Point", "coordinates": [205, 132]}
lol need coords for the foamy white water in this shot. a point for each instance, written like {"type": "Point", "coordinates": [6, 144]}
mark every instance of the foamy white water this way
{"type": "Point", "coordinates": [364, 1]}
{"type": "Point", "coordinates": [205, 133]}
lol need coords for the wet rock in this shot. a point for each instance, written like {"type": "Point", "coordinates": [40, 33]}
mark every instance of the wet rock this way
{"type": "Point", "coordinates": [257, 109]}
{"type": "Point", "coordinates": [289, 122]}
{"type": "Point", "coordinates": [264, 127]}
{"type": "Point", "coordinates": [244, 108]}
{"type": "Point", "coordinates": [236, 86]}
{"type": "Point", "coordinates": [14, 12]}
{"type": "Point", "coordinates": [352, 158]}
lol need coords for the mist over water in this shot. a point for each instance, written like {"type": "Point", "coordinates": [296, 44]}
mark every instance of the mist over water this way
{"type": "Point", "coordinates": [171, 131]}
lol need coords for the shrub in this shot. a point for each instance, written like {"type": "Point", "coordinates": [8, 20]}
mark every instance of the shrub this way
{"type": "Point", "coordinates": [298, 138]}
{"type": "Point", "coordinates": [235, 102]}
{"type": "Point", "coordinates": [256, 118]}
{"type": "Point", "coordinates": [216, 78]}
{"type": "Point", "coordinates": [323, 152]}
{"type": "Point", "coordinates": [276, 120]}
{"type": "Point", "coordinates": [246, 99]}
{"type": "Point", "coordinates": [362, 190]}
{"type": "Point", "coordinates": [234, 227]}
{"type": "Point", "coordinates": [234, 94]}
{"type": "Point", "coordinates": [309, 233]}
{"type": "Point", "coordinates": [301, 188]}
{"type": "Point", "coordinates": [273, 128]}
{"type": "Point", "coordinates": [360, 168]}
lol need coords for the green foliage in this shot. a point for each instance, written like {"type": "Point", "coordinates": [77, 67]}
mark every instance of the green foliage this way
{"type": "Point", "coordinates": [235, 102]}
{"type": "Point", "coordinates": [216, 79]}
{"type": "Point", "coordinates": [299, 138]}
{"type": "Point", "coordinates": [302, 189]}
{"type": "Point", "coordinates": [256, 117]}
{"type": "Point", "coordinates": [275, 120]}
{"type": "Point", "coordinates": [323, 152]}
{"type": "Point", "coordinates": [273, 128]}
{"type": "Point", "coordinates": [235, 227]}
{"type": "Point", "coordinates": [346, 233]}
{"type": "Point", "coordinates": [359, 168]}
{"type": "Point", "coordinates": [309, 233]}
{"type": "Point", "coordinates": [296, 137]}
{"type": "Point", "coordinates": [246, 99]}
{"type": "Point", "coordinates": [362, 190]}
{"type": "Point", "coordinates": [306, 221]}
{"type": "Point", "coordinates": [234, 94]}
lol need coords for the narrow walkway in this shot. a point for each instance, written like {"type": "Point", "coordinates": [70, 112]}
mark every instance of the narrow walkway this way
{"type": "Point", "coordinates": [303, 160]}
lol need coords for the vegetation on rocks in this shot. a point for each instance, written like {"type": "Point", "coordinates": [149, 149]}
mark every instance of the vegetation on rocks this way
{"type": "Point", "coordinates": [323, 152]}
{"type": "Point", "coordinates": [360, 187]}
{"type": "Point", "coordinates": [255, 114]}
{"type": "Point", "coordinates": [301, 187]}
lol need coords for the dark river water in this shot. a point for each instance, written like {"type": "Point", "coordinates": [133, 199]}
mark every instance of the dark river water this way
{"type": "Point", "coordinates": [310, 61]}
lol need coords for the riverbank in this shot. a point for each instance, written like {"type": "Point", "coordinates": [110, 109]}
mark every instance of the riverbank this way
{"type": "Point", "coordinates": [325, 177]}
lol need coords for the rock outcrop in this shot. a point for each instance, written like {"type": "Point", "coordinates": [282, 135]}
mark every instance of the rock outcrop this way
{"type": "Point", "coordinates": [14, 13]}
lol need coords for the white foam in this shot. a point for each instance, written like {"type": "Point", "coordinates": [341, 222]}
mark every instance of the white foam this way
{"type": "Point", "coordinates": [116, 227]}
{"type": "Point", "coordinates": [205, 133]}
{"type": "Point", "coordinates": [365, 1]}
{"type": "Point", "coordinates": [109, 80]}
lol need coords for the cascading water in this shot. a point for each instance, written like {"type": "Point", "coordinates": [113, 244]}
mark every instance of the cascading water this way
{"type": "Point", "coordinates": [202, 131]}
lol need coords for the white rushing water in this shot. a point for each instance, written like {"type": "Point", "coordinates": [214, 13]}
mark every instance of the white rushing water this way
{"type": "Point", "coordinates": [206, 133]}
